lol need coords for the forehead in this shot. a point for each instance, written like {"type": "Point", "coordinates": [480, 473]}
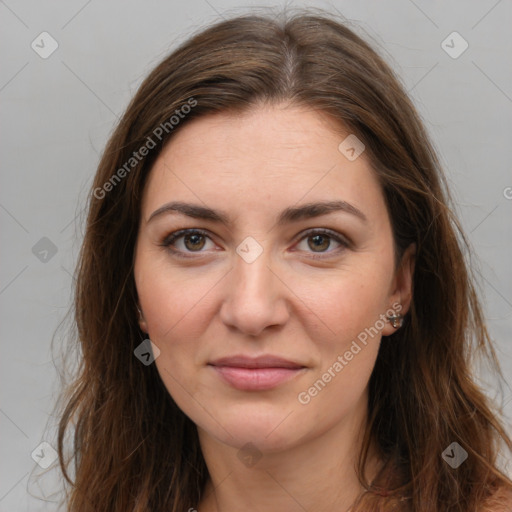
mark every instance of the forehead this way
{"type": "Point", "coordinates": [270, 155]}
{"type": "Point", "coordinates": [289, 136]}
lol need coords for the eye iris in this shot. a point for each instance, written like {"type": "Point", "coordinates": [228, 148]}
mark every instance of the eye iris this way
{"type": "Point", "coordinates": [319, 238]}
{"type": "Point", "coordinates": [195, 240]}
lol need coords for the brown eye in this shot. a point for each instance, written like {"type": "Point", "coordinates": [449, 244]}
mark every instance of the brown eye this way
{"type": "Point", "coordinates": [191, 240]}
{"type": "Point", "coordinates": [194, 242]}
{"type": "Point", "coordinates": [320, 240]}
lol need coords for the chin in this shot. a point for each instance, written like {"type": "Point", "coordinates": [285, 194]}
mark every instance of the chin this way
{"type": "Point", "coordinates": [247, 423]}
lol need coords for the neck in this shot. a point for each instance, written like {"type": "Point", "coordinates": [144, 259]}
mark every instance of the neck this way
{"type": "Point", "coordinates": [316, 475]}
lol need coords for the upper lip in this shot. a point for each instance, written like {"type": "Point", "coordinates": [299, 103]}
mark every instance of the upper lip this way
{"type": "Point", "coordinates": [267, 361]}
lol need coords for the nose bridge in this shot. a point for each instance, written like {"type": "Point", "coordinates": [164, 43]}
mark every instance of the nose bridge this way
{"type": "Point", "coordinates": [253, 277]}
{"type": "Point", "coordinates": [253, 299]}
{"type": "Point", "coordinates": [252, 268]}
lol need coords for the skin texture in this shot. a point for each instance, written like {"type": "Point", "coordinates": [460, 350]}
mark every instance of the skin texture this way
{"type": "Point", "coordinates": [285, 303]}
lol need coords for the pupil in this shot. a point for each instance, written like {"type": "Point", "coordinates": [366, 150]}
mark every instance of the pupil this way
{"type": "Point", "coordinates": [195, 239]}
{"type": "Point", "coordinates": [319, 238]}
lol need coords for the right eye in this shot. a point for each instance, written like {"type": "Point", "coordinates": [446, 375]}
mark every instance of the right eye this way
{"type": "Point", "coordinates": [191, 240]}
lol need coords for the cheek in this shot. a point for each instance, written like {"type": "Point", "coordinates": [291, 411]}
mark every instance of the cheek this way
{"type": "Point", "coordinates": [173, 300]}
{"type": "Point", "coordinates": [351, 310]}
{"type": "Point", "coordinates": [347, 334]}
{"type": "Point", "coordinates": [346, 304]}
{"type": "Point", "coordinates": [177, 309]}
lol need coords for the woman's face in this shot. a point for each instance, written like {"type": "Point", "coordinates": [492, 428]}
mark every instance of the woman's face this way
{"type": "Point", "coordinates": [270, 279]}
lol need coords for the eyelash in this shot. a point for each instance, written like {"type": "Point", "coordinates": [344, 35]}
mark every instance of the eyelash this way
{"type": "Point", "coordinates": [171, 238]}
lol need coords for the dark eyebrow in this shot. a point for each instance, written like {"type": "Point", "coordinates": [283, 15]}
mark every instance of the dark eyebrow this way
{"type": "Point", "coordinates": [291, 214]}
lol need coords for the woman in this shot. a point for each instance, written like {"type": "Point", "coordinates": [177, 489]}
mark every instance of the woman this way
{"type": "Point", "coordinates": [272, 302]}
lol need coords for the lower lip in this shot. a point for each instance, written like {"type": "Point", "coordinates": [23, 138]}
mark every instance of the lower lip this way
{"type": "Point", "coordinates": [255, 379]}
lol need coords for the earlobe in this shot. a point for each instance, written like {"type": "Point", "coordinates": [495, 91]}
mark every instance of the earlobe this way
{"type": "Point", "coordinates": [142, 322]}
{"type": "Point", "coordinates": [402, 290]}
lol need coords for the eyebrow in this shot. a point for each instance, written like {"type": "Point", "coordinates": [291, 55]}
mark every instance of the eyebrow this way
{"type": "Point", "coordinates": [288, 215]}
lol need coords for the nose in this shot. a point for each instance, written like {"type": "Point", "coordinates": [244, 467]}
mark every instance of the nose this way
{"type": "Point", "coordinates": [255, 296]}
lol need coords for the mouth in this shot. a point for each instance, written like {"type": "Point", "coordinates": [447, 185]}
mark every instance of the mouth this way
{"type": "Point", "coordinates": [256, 374]}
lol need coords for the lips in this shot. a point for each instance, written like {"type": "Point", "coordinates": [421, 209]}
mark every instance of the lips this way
{"type": "Point", "coordinates": [256, 374]}
{"type": "Point", "coordinates": [256, 362]}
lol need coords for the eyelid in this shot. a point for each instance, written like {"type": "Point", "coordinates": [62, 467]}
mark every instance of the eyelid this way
{"type": "Point", "coordinates": [175, 235]}
{"type": "Point", "coordinates": [344, 242]}
{"type": "Point", "coordinates": [333, 235]}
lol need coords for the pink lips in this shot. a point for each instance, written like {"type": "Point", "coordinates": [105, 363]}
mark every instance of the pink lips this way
{"type": "Point", "coordinates": [253, 374]}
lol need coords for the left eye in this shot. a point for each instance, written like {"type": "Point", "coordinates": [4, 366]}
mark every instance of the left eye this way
{"type": "Point", "coordinates": [322, 239]}
{"type": "Point", "coordinates": [193, 240]}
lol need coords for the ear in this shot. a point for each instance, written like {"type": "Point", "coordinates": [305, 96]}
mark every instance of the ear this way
{"type": "Point", "coordinates": [142, 322]}
{"type": "Point", "coordinates": [401, 287]}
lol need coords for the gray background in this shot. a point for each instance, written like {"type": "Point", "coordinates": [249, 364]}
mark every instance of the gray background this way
{"type": "Point", "coordinates": [58, 112]}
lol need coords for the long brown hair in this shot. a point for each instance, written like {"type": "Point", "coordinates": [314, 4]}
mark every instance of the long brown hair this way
{"type": "Point", "coordinates": [133, 448]}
